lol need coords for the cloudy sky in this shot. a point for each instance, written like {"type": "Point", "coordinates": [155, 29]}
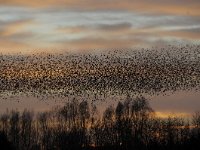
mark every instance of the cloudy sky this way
{"type": "Point", "coordinates": [54, 25]}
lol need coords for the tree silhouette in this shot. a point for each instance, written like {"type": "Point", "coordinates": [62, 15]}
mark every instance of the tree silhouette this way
{"type": "Point", "coordinates": [132, 124]}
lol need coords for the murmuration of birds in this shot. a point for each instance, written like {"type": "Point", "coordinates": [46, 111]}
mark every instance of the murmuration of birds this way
{"type": "Point", "coordinates": [117, 72]}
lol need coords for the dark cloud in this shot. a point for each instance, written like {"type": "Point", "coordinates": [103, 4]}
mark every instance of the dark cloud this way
{"type": "Point", "coordinates": [191, 30]}
{"type": "Point", "coordinates": [110, 27]}
{"type": "Point", "coordinates": [97, 28]}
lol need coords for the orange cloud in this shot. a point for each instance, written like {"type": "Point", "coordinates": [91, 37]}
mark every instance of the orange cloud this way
{"type": "Point", "coordinates": [98, 43]}
{"type": "Point", "coordinates": [15, 27]}
{"type": "Point", "coordinates": [37, 3]}
{"type": "Point", "coordinates": [179, 7]}
{"type": "Point", "coordinates": [181, 34]}
{"type": "Point", "coordinates": [53, 31]}
{"type": "Point", "coordinates": [13, 36]}
{"type": "Point", "coordinates": [13, 47]}
{"type": "Point", "coordinates": [188, 34]}
{"type": "Point", "coordinates": [8, 46]}
{"type": "Point", "coordinates": [122, 36]}
{"type": "Point", "coordinates": [73, 30]}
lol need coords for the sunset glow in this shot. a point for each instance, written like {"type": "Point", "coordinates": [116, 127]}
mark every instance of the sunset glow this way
{"type": "Point", "coordinates": [66, 25]}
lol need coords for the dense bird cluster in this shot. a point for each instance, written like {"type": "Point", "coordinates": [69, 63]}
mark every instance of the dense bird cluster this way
{"type": "Point", "coordinates": [149, 71]}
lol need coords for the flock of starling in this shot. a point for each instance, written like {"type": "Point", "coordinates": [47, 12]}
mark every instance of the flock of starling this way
{"type": "Point", "coordinates": [151, 71]}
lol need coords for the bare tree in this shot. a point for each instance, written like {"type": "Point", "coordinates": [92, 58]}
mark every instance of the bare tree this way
{"type": "Point", "coordinates": [26, 129]}
{"type": "Point", "coordinates": [196, 119]}
{"type": "Point", "coordinates": [15, 128]}
{"type": "Point", "coordinates": [5, 122]}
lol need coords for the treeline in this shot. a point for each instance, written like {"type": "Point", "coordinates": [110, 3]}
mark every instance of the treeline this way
{"type": "Point", "coordinates": [132, 124]}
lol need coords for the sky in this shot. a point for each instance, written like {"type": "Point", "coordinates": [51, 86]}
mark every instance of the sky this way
{"type": "Point", "coordinates": [181, 104]}
{"type": "Point", "coordinates": [82, 25]}
{"type": "Point", "coordinates": [71, 25]}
